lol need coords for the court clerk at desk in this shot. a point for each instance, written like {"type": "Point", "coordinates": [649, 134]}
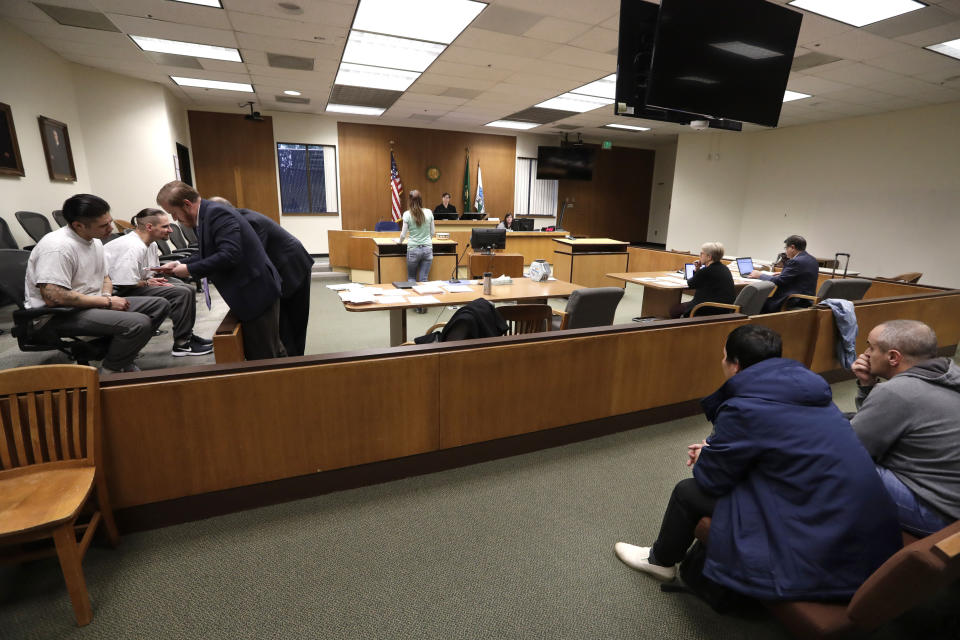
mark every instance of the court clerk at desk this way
{"type": "Point", "coordinates": [712, 282]}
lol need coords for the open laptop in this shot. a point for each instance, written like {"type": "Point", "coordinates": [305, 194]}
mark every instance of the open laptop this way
{"type": "Point", "coordinates": [745, 266]}
{"type": "Point", "coordinates": [688, 270]}
{"type": "Point", "coordinates": [404, 284]}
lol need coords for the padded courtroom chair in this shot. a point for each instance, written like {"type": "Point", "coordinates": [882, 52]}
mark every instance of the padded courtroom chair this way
{"type": "Point", "coordinates": [50, 449]}
{"type": "Point", "coordinates": [58, 217]}
{"type": "Point", "coordinates": [910, 278]}
{"type": "Point", "coordinates": [13, 271]}
{"type": "Point", "coordinates": [386, 225]}
{"type": "Point", "coordinates": [526, 318]}
{"type": "Point", "coordinates": [122, 226]}
{"type": "Point", "coordinates": [588, 308]}
{"type": "Point", "coordinates": [35, 224]}
{"type": "Point", "coordinates": [908, 578]}
{"type": "Point", "coordinates": [842, 288]}
{"type": "Point", "coordinates": [167, 254]}
{"type": "Point", "coordinates": [190, 235]}
{"type": "Point", "coordinates": [749, 301]}
{"type": "Point", "coordinates": [180, 241]}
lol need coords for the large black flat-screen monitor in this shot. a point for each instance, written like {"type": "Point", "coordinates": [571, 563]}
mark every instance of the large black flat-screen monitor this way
{"type": "Point", "coordinates": [482, 239]}
{"type": "Point", "coordinates": [522, 224]}
{"type": "Point", "coordinates": [723, 58]}
{"type": "Point", "coordinates": [565, 163]}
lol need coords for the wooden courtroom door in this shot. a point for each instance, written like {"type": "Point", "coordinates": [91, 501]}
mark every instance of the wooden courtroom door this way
{"type": "Point", "coordinates": [235, 158]}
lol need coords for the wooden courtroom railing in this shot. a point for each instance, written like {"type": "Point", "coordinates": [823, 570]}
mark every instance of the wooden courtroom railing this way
{"type": "Point", "coordinates": [232, 425]}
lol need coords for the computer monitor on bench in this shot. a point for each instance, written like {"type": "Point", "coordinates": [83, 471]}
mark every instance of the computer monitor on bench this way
{"type": "Point", "coordinates": [522, 224]}
{"type": "Point", "coordinates": [488, 239]}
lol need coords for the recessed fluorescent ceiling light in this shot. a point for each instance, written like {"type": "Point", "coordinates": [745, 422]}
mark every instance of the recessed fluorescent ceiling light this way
{"type": "Point", "coordinates": [291, 92]}
{"type": "Point", "coordinates": [205, 3]}
{"type": "Point", "coordinates": [746, 50]}
{"type": "Point", "coordinates": [212, 84]}
{"type": "Point", "coordinates": [349, 108]}
{"type": "Point", "coordinates": [790, 96]}
{"type": "Point", "coordinates": [388, 51]}
{"type": "Point", "coordinates": [359, 75]}
{"type": "Point", "coordinates": [187, 48]}
{"type": "Point", "coordinates": [433, 20]}
{"type": "Point", "coordinates": [858, 12]}
{"type": "Point", "coordinates": [627, 127]}
{"type": "Point", "coordinates": [951, 48]}
{"type": "Point", "coordinates": [602, 88]}
{"type": "Point", "coordinates": [574, 102]}
{"type": "Point", "coordinates": [512, 124]}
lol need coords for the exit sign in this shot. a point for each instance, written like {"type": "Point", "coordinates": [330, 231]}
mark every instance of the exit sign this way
{"type": "Point", "coordinates": [606, 145]}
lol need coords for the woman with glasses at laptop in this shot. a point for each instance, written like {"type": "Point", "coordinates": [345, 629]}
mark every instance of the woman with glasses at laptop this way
{"type": "Point", "coordinates": [711, 280]}
{"type": "Point", "coordinates": [418, 224]}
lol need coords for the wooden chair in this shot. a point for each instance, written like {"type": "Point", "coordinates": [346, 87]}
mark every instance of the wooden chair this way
{"type": "Point", "coordinates": [526, 318]}
{"type": "Point", "coordinates": [49, 450]}
{"type": "Point", "coordinates": [910, 278]}
{"type": "Point", "coordinates": [122, 225]}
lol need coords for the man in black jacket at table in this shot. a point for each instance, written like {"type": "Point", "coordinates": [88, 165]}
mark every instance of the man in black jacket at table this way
{"type": "Point", "coordinates": [799, 274]}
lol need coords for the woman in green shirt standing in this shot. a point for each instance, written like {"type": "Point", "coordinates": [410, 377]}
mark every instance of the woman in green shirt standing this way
{"type": "Point", "coordinates": [418, 224]}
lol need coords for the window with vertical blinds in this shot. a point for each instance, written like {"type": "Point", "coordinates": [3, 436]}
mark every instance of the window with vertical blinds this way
{"type": "Point", "coordinates": [533, 197]}
{"type": "Point", "coordinates": [308, 178]}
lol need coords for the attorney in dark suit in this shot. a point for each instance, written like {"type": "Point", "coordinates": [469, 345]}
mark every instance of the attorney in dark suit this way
{"type": "Point", "coordinates": [232, 257]}
{"type": "Point", "coordinates": [712, 282]}
{"type": "Point", "coordinates": [799, 274]}
{"type": "Point", "coordinates": [294, 265]}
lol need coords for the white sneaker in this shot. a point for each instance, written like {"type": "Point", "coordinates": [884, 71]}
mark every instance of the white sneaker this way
{"type": "Point", "coordinates": [636, 558]}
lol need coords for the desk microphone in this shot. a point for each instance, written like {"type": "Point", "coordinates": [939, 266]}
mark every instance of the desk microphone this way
{"type": "Point", "coordinates": [453, 276]}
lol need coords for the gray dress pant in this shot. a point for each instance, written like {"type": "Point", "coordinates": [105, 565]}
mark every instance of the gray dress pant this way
{"type": "Point", "coordinates": [183, 305]}
{"type": "Point", "coordinates": [261, 335]}
{"type": "Point", "coordinates": [130, 329]}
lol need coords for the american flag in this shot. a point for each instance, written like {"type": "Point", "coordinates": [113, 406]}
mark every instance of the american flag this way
{"type": "Point", "coordinates": [396, 188]}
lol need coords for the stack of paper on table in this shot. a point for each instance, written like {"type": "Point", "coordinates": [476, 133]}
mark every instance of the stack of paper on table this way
{"type": "Point", "coordinates": [345, 286]}
{"type": "Point", "coordinates": [356, 296]}
{"type": "Point", "coordinates": [428, 288]}
{"type": "Point", "coordinates": [457, 288]}
{"type": "Point", "coordinates": [422, 300]}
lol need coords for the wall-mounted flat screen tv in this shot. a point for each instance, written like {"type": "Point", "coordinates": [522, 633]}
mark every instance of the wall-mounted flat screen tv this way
{"type": "Point", "coordinates": [723, 58]}
{"type": "Point", "coordinates": [565, 163]}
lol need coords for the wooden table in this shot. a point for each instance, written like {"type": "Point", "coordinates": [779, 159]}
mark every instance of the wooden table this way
{"type": "Point", "coordinates": [498, 264]}
{"type": "Point", "coordinates": [522, 289]}
{"type": "Point", "coordinates": [586, 261]}
{"type": "Point", "coordinates": [659, 296]}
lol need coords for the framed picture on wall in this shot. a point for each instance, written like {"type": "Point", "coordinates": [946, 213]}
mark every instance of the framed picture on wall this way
{"type": "Point", "coordinates": [10, 162]}
{"type": "Point", "coordinates": [56, 149]}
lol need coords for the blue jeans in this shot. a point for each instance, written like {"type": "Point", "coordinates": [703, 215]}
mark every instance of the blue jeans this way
{"type": "Point", "coordinates": [419, 259]}
{"type": "Point", "coordinates": [914, 515]}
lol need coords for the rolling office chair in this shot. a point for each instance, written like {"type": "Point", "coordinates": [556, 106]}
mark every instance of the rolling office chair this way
{"type": "Point", "coordinates": [179, 240]}
{"type": "Point", "coordinates": [58, 216]}
{"type": "Point", "coordinates": [588, 308]}
{"type": "Point", "coordinates": [7, 241]}
{"type": "Point", "coordinates": [35, 224]}
{"type": "Point", "coordinates": [386, 225]}
{"type": "Point", "coordinates": [842, 288]}
{"type": "Point", "coordinates": [749, 301]}
{"type": "Point", "coordinates": [13, 272]}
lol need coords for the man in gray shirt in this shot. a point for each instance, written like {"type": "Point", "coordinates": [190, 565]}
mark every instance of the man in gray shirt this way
{"type": "Point", "coordinates": [910, 424]}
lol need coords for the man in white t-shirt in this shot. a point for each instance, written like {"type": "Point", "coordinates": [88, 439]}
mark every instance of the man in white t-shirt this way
{"type": "Point", "coordinates": [67, 269]}
{"type": "Point", "coordinates": [130, 260]}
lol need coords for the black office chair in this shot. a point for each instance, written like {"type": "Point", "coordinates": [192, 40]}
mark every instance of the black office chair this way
{"type": "Point", "coordinates": [180, 241]}
{"type": "Point", "coordinates": [589, 308]}
{"type": "Point", "coordinates": [169, 255]}
{"type": "Point", "coordinates": [7, 241]}
{"type": "Point", "coordinates": [35, 224]}
{"type": "Point", "coordinates": [58, 216]}
{"type": "Point", "coordinates": [749, 301]}
{"type": "Point", "coordinates": [842, 288]}
{"type": "Point", "coordinates": [190, 235]}
{"type": "Point", "coordinates": [13, 272]}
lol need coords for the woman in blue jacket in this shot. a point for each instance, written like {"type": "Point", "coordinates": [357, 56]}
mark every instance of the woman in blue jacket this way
{"type": "Point", "coordinates": [798, 509]}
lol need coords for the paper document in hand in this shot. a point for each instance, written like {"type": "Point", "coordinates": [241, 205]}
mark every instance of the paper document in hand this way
{"type": "Point", "coordinates": [457, 288]}
{"type": "Point", "coordinates": [424, 289]}
{"type": "Point", "coordinates": [390, 299]}
{"type": "Point", "coordinates": [421, 300]}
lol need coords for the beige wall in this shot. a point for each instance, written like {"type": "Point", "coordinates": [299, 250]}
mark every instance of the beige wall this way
{"type": "Point", "coordinates": [884, 188]}
{"type": "Point", "coordinates": [22, 63]}
{"type": "Point", "coordinates": [122, 131]}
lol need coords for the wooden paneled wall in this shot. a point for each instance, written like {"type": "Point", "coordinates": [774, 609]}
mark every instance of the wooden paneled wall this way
{"type": "Point", "coordinates": [235, 159]}
{"type": "Point", "coordinates": [365, 169]}
{"type": "Point", "coordinates": [616, 203]}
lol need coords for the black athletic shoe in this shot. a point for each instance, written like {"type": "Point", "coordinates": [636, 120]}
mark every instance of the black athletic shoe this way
{"type": "Point", "coordinates": [195, 339]}
{"type": "Point", "coordinates": [191, 349]}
